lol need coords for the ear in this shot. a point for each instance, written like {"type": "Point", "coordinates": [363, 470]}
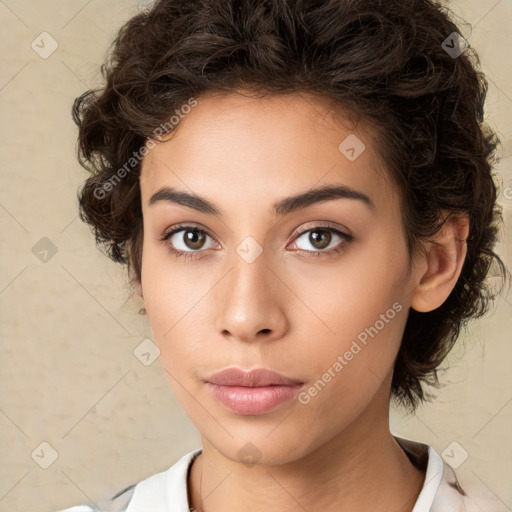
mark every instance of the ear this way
{"type": "Point", "coordinates": [442, 264]}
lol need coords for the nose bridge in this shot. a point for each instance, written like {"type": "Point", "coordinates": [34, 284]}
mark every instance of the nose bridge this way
{"type": "Point", "coordinates": [250, 274]}
{"type": "Point", "coordinates": [250, 299]}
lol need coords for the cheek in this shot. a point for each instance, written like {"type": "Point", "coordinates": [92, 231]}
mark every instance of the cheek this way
{"type": "Point", "coordinates": [355, 360]}
{"type": "Point", "coordinates": [341, 302]}
{"type": "Point", "coordinates": [360, 318]}
{"type": "Point", "coordinates": [172, 292]}
{"type": "Point", "coordinates": [335, 304]}
{"type": "Point", "coordinates": [172, 302]}
{"type": "Point", "coordinates": [350, 368]}
{"type": "Point", "coordinates": [179, 308]}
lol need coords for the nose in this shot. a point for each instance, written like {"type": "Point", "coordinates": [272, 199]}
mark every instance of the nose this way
{"type": "Point", "coordinates": [250, 302]}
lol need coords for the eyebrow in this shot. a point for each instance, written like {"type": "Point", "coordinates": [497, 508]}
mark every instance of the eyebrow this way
{"type": "Point", "coordinates": [280, 208]}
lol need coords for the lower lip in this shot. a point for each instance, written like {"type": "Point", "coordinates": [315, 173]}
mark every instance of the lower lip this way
{"type": "Point", "coordinates": [258, 400]}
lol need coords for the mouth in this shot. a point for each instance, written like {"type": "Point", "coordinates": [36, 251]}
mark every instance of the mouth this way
{"type": "Point", "coordinates": [252, 393]}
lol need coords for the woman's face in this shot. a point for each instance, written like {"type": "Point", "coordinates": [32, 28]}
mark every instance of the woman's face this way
{"type": "Point", "coordinates": [276, 288]}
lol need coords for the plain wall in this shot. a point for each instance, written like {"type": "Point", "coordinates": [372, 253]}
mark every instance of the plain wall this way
{"type": "Point", "coordinates": [69, 376]}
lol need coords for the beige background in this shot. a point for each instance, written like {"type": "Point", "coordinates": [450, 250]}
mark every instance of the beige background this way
{"type": "Point", "coordinates": [69, 376]}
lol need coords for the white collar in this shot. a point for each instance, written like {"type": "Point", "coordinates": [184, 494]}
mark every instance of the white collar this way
{"type": "Point", "coordinates": [167, 491]}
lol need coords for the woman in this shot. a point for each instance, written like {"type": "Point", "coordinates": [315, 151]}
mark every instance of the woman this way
{"type": "Point", "coordinates": [302, 192]}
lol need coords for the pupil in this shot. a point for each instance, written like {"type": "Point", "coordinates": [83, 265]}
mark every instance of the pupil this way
{"type": "Point", "coordinates": [194, 238]}
{"type": "Point", "coordinates": [322, 241]}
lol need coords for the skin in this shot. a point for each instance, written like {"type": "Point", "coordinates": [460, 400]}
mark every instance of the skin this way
{"type": "Point", "coordinates": [287, 311]}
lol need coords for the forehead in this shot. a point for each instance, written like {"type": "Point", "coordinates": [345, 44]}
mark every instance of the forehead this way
{"type": "Point", "coordinates": [276, 142]}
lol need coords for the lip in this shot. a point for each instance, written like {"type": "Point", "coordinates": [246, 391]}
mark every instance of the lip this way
{"type": "Point", "coordinates": [255, 392]}
{"type": "Point", "coordinates": [255, 378]}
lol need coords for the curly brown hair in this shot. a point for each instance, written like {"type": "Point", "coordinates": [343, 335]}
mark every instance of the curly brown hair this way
{"type": "Point", "coordinates": [388, 62]}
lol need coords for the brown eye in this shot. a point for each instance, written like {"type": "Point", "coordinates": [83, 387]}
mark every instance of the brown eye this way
{"type": "Point", "coordinates": [320, 238]}
{"type": "Point", "coordinates": [194, 238]}
{"type": "Point", "coordinates": [187, 241]}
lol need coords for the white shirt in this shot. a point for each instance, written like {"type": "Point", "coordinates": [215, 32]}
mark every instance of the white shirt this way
{"type": "Point", "coordinates": [167, 491]}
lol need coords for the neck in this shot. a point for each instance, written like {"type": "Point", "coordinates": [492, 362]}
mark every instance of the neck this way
{"type": "Point", "coordinates": [361, 468]}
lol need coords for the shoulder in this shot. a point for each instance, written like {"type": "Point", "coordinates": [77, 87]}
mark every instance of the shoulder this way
{"type": "Point", "coordinates": [441, 491]}
{"type": "Point", "coordinates": [451, 495]}
{"type": "Point", "coordinates": [117, 503]}
{"type": "Point", "coordinates": [157, 492]}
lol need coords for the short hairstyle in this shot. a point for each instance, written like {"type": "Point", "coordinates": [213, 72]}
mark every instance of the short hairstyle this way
{"type": "Point", "coordinates": [387, 62]}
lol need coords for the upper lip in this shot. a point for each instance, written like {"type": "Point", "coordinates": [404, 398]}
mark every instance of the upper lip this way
{"type": "Point", "coordinates": [254, 378]}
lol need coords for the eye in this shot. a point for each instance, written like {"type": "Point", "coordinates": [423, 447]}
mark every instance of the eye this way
{"type": "Point", "coordinates": [320, 238]}
{"type": "Point", "coordinates": [185, 240]}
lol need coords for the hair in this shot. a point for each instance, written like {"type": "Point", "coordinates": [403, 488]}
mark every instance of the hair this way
{"type": "Point", "coordinates": [379, 60]}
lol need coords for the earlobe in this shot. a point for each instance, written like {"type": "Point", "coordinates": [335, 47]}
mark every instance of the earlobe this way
{"type": "Point", "coordinates": [444, 258]}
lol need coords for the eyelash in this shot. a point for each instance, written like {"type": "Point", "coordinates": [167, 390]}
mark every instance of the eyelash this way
{"type": "Point", "coordinates": [315, 254]}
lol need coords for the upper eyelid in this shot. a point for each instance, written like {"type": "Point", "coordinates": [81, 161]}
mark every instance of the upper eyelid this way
{"type": "Point", "coordinates": [184, 227]}
{"type": "Point", "coordinates": [298, 233]}
{"type": "Point", "coordinates": [318, 225]}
